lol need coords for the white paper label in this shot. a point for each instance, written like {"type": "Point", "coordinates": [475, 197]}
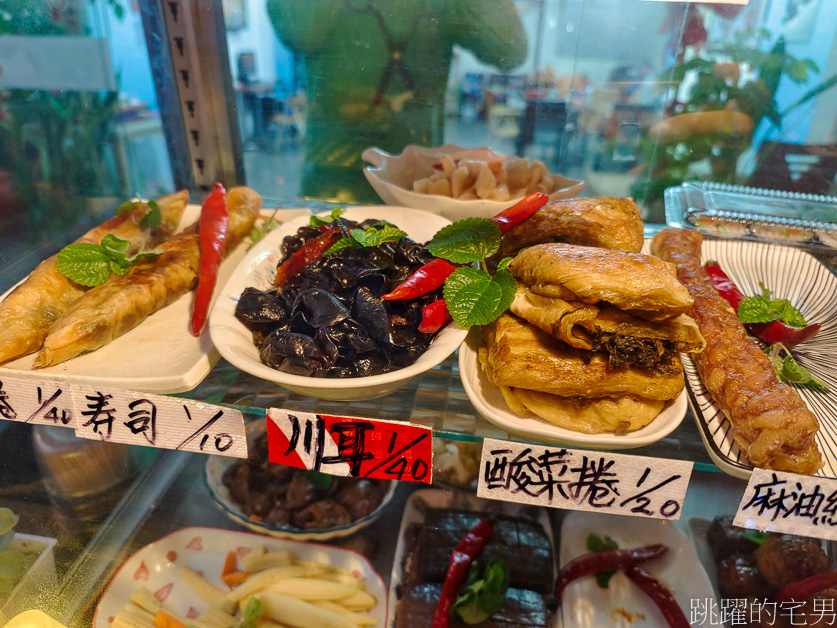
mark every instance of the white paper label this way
{"type": "Point", "coordinates": [583, 480]}
{"type": "Point", "coordinates": [137, 418]}
{"type": "Point", "coordinates": [786, 502]}
{"type": "Point", "coordinates": [36, 402]}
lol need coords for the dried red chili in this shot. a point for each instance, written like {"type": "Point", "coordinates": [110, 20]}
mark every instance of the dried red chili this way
{"type": "Point", "coordinates": [460, 561]}
{"type": "Point", "coordinates": [434, 316]}
{"type": "Point", "coordinates": [724, 285]}
{"type": "Point", "coordinates": [662, 597]}
{"type": "Point", "coordinates": [517, 213]}
{"type": "Point", "coordinates": [427, 278]}
{"type": "Point", "coordinates": [807, 588]}
{"type": "Point", "coordinates": [595, 562]}
{"type": "Point", "coordinates": [212, 236]}
{"type": "Point", "coordinates": [309, 252]}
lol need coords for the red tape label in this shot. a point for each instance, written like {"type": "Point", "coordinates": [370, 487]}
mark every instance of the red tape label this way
{"type": "Point", "coordinates": [351, 446]}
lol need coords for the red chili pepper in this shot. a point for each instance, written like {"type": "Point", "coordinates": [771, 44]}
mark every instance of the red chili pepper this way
{"type": "Point", "coordinates": [460, 561]}
{"type": "Point", "coordinates": [212, 236]}
{"type": "Point", "coordinates": [724, 285]}
{"type": "Point", "coordinates": [788, 335]}
{"type": "Point", "coordinates": [662, 597]}
{"type": "Point", "coordinates": [427, 278]}
{"type": "Point", "coordinates": [805, 589]}
{"type": "Point", "coordinates": [596, 562]}
{"type": "Point", "coordinates": [311, 251]}
{"type": "Point", "coordinates": [434, 317]}
{"type": "Point", "coordinates": [517, 213]}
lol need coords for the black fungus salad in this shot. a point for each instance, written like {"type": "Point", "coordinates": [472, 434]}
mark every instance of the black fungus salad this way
{"type": "Point", "coordinates": [358, 299]}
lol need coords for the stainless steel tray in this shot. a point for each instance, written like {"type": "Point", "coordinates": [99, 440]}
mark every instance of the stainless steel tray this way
{"type": "Point", "coordinates": [744, 212]}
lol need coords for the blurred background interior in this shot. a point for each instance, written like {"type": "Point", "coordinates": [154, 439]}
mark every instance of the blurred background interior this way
{"type": "Point", "coordinates": [81, 125]}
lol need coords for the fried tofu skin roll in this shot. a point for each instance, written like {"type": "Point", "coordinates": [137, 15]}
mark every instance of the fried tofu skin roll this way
{"type": "Point", "coordinates": [112, 309]}
{"type": "Point", "coordinates": [31, 308]}
{"type": "Point", "coordinates": [770, 422]}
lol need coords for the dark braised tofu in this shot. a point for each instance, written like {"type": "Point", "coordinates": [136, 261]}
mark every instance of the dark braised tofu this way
{"type": "Point", "coordinates": [725, 539]}
{"type": "Point", "coordinates": [785, 558]}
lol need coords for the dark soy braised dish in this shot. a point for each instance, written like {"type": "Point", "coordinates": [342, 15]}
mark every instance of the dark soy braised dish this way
{"type": "Point", "coordinates": [329, 320]}
{"type": "Point", "coordinates": [292, 498]}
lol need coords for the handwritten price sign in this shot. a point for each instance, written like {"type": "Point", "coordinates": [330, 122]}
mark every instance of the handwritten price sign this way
{"type": "Point", "coordinates": [350, 446]}
{"type": "Point", "coordinates": [785, 502]}
{"type": "Point", "coordinates": [583, 480]}
{"type": "Point", "coordinates": [127, 417]}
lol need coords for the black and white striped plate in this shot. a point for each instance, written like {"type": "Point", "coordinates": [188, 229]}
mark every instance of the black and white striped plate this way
{"type": "Point", "coordinates": [791, 274]}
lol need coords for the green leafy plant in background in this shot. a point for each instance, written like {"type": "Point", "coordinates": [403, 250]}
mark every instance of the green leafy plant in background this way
{"type": "Point", "coordinates": [736, 75]}
{"type": "Point", "coordinates": [56, 147]}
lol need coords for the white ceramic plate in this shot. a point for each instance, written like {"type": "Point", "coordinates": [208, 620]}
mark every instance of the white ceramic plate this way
{"type": "Point", "coordinates": [392, 176]}
{"type": "Point", "coordinates": [216, 466]}
{"type": "Point", "coordinates": [488, 401]}
{"type": "Point", "coordinates": [160, 355]}
{"type": "Point", "coordinates": [258, 268]}
{"type": "Point", "coordinates": [585, 605]}
{"type": "Point", "coordinates": [797, 276]}
{"type": "Point", "coordinates": [422, 499]}
{"type": "Point", "coordinates": [156, 567]}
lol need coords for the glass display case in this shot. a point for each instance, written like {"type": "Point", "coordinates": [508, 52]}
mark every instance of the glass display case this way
{"type": "Point", "coordinates": [719, 117]}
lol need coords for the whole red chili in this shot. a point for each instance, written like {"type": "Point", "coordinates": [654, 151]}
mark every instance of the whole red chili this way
{"type": "Point", "coordinates": [662, 597]}
{"type": "Point", "coordinates": [212, 236]}
{"type": "Point", "coordinates": [517, 213]}
{"type": "Point", "coordinates": [595, 562]}
{"type": "Point", "coordinates": [427, 278]}
{"type": "Point", "coordinates": [724, 285]}
{"type": "Point", "coordinates": [311, 251]}
{"type": "Point", "coordinates": [460, 561]}
{"type": "Point", "coordinates": [804, 589]}
{"type": "Point", "coordinates": [788, 335]}
{"type": "Point", "coordinates": [434, 316]}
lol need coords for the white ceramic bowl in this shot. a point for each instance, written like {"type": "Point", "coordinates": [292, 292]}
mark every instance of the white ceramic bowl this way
{"type": "Point", "coordinates": [235, 342]}
{"type": "Point", "coordinates": [488, 402]}
{"type": "Point", "coordinates": [216, 466]}
{"type": "Point", "coordinates": [392, 176]}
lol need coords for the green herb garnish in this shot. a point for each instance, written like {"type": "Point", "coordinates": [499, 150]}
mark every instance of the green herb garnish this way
{"type": "Point", "coordinates": [479, 599]}
{"type": "Point", "coordinates": [375, 235]}
{"type": "Point", "coordinates": [596, 543]}
{"type": "Point", "coordinates": [474, 297]}
{"type": "Point", "coordinates": [90, 264]}
{"type": "Point", "coordinates": [765, 309]}
{"type": "Point", "coordinates": [258, 232]}
{"type": "Point", "coordinates": [466, 241]}
{"type": "Point", "coordinates": [321, 481]}
{"type": "Point", "coordinates": [151, 220]}
{"type": "Point", "coordinates": [317, 221]}
{"type": "Point", "coordinates": [790, 371]}
{"type": "Point", "coordinates": [252, 612]}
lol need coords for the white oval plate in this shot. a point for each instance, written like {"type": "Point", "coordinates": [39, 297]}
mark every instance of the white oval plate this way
{"type": "Point", "coordinates": [488, 401]}
{"type": "Point", "coordinates": [216, 466]}
{"type": "Point", "coordinates": [157, 568]}
{"type": "Point", "coordinates": [235, 342]}
{"type": "Point", "coordinates": [585, 605]}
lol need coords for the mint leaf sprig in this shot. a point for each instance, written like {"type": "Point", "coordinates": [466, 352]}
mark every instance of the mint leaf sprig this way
{"type": "Point", "coordinates": [766, 309]}
{"type": "Point", "coordinates": [472, 295]}
{"type": "Point", "coordinates": [258, 232]}
{"type": "Point", "coordinates": [373, 236]}
{"type": "Point", "coordinates": [790, 371]}
{"type": "Point", "coordinates": [317, 221]}
{"type": "Point", "coordinates": [151, 220]}
{"type": "Point", "coordinates": [90, 264]}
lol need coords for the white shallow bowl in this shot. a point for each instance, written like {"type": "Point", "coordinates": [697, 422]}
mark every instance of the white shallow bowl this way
{"type": "Point", "coordinates": [216, 466]}
{"type": "Point", "coordinates": [488, 401]}
{"type": "Point", "coordinates": [235, 342]}
{"type": "Point", "coordinates": [392, 176]}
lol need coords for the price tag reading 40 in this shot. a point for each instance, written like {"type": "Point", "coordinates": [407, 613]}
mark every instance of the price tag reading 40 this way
{"type": "Point", "coordinates": [350, 446]}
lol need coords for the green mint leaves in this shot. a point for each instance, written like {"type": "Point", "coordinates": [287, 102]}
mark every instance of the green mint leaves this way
{"type": "Point", "coordinates": [151, 220]}
{"type": "Point", "coordinates": [317, 221]}
{"type": "Point", "coordinates": [765, 309]}
{"type": "Point", "coordinates": [90, 264]}
{"type": "Point", "coordinates": [596, 543]}
{"type": "Point", "coordinates": [258, 232]}
{"type": "Point", "coordinates": [252, 612]}
{"type": "Point", "coordinates": [790, 371]}
{"type": "Point", "coordinates": [375, 235]}
{"type": "Point", "coordinates": [481, 598]}
{"type": "Point", "coordinates": [466, 241]}
{"type": "Point", "coordinates": [474, 297]}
